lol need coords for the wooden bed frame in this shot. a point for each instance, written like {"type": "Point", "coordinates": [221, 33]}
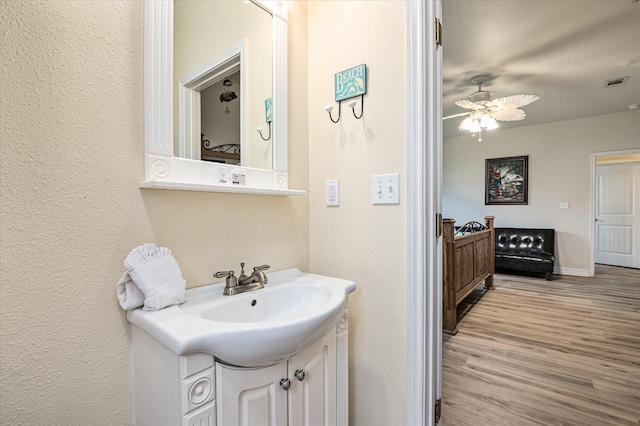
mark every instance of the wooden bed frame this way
{"type": "Point", "coordinates": [468, 260]}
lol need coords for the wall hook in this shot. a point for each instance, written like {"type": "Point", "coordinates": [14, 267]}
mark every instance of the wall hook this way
{"type": "Point", "coordinates": [353, 103]}
{"type": "Point", "coordinates": [329, 108]}
{"type": "Point", "coordinates": [259, 130]}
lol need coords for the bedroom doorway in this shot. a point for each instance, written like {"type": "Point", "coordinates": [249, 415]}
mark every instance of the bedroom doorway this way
{"type": "Point", "coordinates": [615, 195]}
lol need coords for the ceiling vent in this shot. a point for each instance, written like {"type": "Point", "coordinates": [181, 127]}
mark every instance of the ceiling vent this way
{"type": "Point", "coordinates": [616, 81]}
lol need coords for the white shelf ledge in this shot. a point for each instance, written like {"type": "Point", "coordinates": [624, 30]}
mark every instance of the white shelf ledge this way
{"type": "Point", "coordinates": [237, 189]}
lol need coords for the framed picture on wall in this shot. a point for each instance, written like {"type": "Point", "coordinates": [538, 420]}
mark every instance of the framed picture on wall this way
{"type": "Point", "coordinates": [506, 180]}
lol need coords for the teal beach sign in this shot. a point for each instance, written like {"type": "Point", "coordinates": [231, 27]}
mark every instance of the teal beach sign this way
{"type": "Point", "coordinates": [350, 83]}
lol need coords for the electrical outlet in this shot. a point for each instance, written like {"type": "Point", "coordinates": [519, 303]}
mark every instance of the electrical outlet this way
{"type": "Point", "coordinates": [238, 178]}
{"type": "Point", "coordinates": [333, 192]}
{"type": "Point", "coordinates": [386, 189]}
{"type": "Point", "coordinates": [564, 205]}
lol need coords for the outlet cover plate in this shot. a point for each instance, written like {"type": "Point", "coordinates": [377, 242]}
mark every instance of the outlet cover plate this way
{"type": "Point", "coordinates": [333, 192]}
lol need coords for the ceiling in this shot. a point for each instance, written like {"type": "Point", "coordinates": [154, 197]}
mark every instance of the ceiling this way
{"type": "Point", "coordinates": [561, 50]}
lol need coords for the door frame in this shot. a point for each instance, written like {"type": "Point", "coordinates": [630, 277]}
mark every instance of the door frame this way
{"type": "Point", "coordinates": [424, 201]}
{"type": "Point", "coordinates": [592, 202]}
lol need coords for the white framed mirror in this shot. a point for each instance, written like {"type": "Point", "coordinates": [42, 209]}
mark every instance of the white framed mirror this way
{"type": "Point", "coordinates": [163, 169]}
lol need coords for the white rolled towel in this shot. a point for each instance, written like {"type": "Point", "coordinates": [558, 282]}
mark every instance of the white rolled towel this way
{"type": "Point", "coordinates": [153, 279]}
{"type": "Point", "coordinates": [129, 295]}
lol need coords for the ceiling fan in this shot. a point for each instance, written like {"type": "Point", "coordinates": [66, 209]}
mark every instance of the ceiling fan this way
{"type": "Point", "coordinates": [485, 112]}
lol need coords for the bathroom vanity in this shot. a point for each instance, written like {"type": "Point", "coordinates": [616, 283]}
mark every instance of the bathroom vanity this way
{"type": "Point", "coordinates": [280, 359]}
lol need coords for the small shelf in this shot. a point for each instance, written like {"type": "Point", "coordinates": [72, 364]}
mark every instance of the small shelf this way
{"type": "Point", "coordinates": [183, 186]}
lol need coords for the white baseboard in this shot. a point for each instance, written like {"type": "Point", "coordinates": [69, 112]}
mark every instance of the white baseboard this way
{"type": "Point", "coordinates": [576, 272]}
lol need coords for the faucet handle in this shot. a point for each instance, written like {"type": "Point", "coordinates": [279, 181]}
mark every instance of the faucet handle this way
{"type": "Point", "coordinates": [231, 281]}
{"type": "Point", "coordinates": [224, 274]}
{"type": "Point", "coordinates": [261, 268]}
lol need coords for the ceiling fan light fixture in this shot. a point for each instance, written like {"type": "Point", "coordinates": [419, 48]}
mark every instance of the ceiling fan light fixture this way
{"type": "Point", "coordinates": [486, 111]}
{"type": "Point", "coordinates": [466, 124]}
{"type": "Point", "coordinates": [488, 122]}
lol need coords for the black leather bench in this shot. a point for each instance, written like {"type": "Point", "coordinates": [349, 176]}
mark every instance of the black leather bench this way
{"type": "Point", "coordinates": [525, 249]}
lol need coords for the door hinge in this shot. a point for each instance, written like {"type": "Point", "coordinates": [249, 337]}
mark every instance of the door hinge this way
{"type": "Point", "coordinates": [438, 32]}
{"type": "Point", "coordinates": [438, 225]}
{"type": "Point", "coordinates": [438, 410]}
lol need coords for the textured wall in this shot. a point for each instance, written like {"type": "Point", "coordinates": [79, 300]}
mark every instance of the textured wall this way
{"type": "Point", "coordinates": [559, 170]}
{"type": "Point", "coordinates": [358, 240]}
{"type": "Point", "coordinates": [71, 157]}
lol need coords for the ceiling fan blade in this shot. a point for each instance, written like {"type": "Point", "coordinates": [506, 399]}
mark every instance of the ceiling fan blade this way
{"type": "Point", "coordinates": [513, 101]}
{"type": "Point", "coordinates": [456, 115]}
{"type": "Point", "coordinates": [508, 114]}
{"type": "Point", "coordinates": [469, 105]}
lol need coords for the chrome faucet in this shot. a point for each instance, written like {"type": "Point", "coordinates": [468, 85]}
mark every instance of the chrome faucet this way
{"type": "Point", "coordinates": [243, 283]}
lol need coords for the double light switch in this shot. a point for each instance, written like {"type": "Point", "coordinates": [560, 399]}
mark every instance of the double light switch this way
{"type": "Point", "coordinates": [386, 189]}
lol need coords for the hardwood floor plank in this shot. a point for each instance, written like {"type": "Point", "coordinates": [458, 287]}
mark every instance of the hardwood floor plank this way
{"type": "Point", "coordinates": [537, 352]}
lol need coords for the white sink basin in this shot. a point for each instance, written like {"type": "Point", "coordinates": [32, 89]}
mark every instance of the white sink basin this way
{"type": "Point", "coordinates": [251, 329]}
{"type": "Point", "coordinates": [284, 302]}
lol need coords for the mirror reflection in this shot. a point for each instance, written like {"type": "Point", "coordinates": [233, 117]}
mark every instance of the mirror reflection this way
{"type": "Point", "coordinates": [220, 121]}
{"type": "Point", "coordinates": [220, 48]}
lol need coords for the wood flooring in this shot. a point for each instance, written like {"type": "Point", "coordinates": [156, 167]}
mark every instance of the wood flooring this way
{"type": "Point", "coordinates": [537, 352]}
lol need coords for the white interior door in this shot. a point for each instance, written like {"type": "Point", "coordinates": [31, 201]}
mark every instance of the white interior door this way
{"type": "Point", "coordinates": [617, 226]}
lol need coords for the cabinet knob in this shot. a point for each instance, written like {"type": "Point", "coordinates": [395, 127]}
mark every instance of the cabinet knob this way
{"type": "Point", "coordinates": [300, 375]}
{"type": "Point", "coordinates": [285, 384]}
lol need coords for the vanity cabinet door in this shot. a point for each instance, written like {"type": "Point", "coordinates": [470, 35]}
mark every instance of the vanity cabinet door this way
{"type": "Point", "coordinates": [312, 397]}
{"type": "Point", "coordinates": [251, 397]}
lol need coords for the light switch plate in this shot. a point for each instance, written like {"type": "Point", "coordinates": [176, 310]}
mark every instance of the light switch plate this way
{"type": "Point", "coordinates": [333, 192]}
{"type": "Point", "coordinates": [385, 189]}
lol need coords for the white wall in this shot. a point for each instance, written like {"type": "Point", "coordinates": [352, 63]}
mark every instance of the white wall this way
{"type": "Point", "coordinates": [559, 170]}
{"type": "Point", "coordinates": [71, 159]}
{"type": "Point", "coordinates": [358, 240]}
